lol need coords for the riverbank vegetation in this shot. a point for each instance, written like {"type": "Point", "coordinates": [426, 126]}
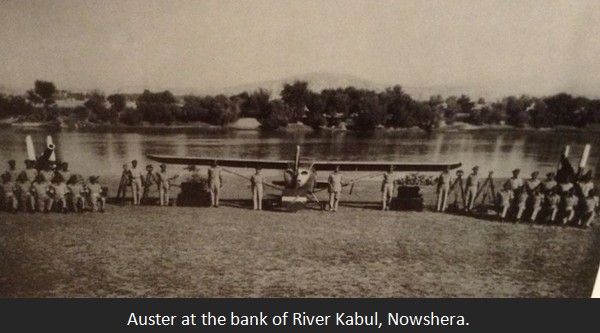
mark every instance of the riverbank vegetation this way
{"type": "Point", "coordinates": [350, 108]}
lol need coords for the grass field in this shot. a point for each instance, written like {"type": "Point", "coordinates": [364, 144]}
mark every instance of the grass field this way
{"type": "Point", "coordinates": [233, 251]}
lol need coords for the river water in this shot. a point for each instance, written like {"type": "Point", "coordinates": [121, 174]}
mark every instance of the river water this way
{"type": "Point", "coordinates": [103, 153]}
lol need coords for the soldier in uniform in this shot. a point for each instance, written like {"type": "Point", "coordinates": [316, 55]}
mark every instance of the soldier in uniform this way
{"type": "Point", "coordinates": [387, 188]}
{"type": "Point", "coordinates": [75, 190]}
{"type": "Point", "coordinates": [571, 201]}
{"type": "Point", "coordinates": [553, 199]}
{"type": "Point", "coordinates": [40, 189]}
{"type": "Point", "coordinates": [532, 183]}
{"type": "Point", "coordinates": [538, 200]}
{"type": "Point", "coordinates": [504, 200]}
{"type": "Point", "coordinates": [215, 182]}
{"type": "Point", "coordinates": [23, 191]}
{"type": "Point", "coordinates": [163, 180]}
{"type": "Point", "coordinates": [515, 182]}
{"type": "Point", "coordinates": [591, 206]}
{"type": "Point", "coordinates": [136, 182]}
{"type": "Point", "coordinates": [472, 188]}
{"type": "Point", "coordinates": [30, 171]}
{"type": "Point", "coordinates": [443, 188]}
{"type": "Point", "coordinates": [549, 184]}
{"type": "Point", "coordinates": [63, 170]}
{"type": "Point", "coordinates": [585, 184]}
{"type": "Point", "coordinates": [8, 192]}
{"type": "Point", "coordinates": [60, 191]}
{"type": "Point", "coordinates": [335, 188]}
{"type": "Point", "coordinates": [48, 172]}
{"type": "Point", "coordinates": [96, 197]}
{"type": "Point", "coordinates": [12, 170]}
{"type": "Point", "coordinates": [256, 183]}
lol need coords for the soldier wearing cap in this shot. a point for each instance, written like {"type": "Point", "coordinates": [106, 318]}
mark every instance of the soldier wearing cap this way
{"type": "Point", "coordinates": [136, 182]}
{"type": "Point", "coordinates": [549, 183]}
{"type": "Point", "coordinates": [30, 170]}
{"type": "Point", "coordinates": [472, 188]}
{"type": "Point", "coordinates": [533, 182]}
{"type": "Point", "coordinates": [585, 184]}
{"type": "Point", "coordinates": [334, 188]}
{"type": "Point", "coordinates": [387, 188]}
{"type": "Point", "coordinates": [95, 192]}
{"type": "Point", "coordinates": [163, 180]}
{"type": "Point", "coordinates": [515, 182]}
{"type": "Point", "coordinates": [12, 170]}
{"type": "Point", "coordinates": [41, 189]}
{"type": "Point", "coordinates": [9, 192]}
{"type": "Point", "coordinates": [443, 188]}
{"type": "Point", "coordinates": [63, 170]}
{"type": "Point", "coordinates": [215, 182]}
{"type": "Point", "coordinates": [256, 183]}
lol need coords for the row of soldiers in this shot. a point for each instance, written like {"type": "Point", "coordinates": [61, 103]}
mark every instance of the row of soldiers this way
{"type": "Point", "coordinates": [555, 200]}
{"type": "Point", "coordinates": [141, 186]}
{"type": "Point", "coordinates": [52, 188]}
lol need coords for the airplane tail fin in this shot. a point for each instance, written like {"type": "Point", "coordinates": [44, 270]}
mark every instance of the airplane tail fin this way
{"type": "Point", "coordinates": [30, 149]}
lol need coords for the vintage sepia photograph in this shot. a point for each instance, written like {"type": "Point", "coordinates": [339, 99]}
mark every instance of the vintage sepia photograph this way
{"type": "Point", "coordinates": [299, 148]}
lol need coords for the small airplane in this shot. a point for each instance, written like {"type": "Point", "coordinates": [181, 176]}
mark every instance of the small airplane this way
{"type": "Point", "coordinates": [300, 179]}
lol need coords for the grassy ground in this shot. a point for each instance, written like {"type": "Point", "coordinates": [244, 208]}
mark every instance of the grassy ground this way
{"type": "Point", "coordinates": [232, 251]}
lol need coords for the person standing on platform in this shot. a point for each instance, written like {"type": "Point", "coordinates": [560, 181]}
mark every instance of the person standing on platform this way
{"type": "Point", "coordinates": [256, 182]}
{"type": "Point", "coordinates": [387, 188]}
{"type": "Point", "coordinates": [472, 188]}
{"type": "Point", "coordinates": [136, 182]}
{"type": "Point", "coordinates": [443, 188]}
{"type": "Point", "coordinates": [334, 188]}
{"type": "Point", "coordinates": [215, 182]}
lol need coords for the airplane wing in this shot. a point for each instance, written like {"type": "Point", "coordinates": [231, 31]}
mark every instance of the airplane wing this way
{"type": "Point", "coordinates": [383, 166]}
{"type": "Point", "coordinates": [225, 162]}
{"type": "Point", "coordinates": [318, 165]}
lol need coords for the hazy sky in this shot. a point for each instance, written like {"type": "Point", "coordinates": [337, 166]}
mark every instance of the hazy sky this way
{"type": "Point", "coordinates": [544, 46]}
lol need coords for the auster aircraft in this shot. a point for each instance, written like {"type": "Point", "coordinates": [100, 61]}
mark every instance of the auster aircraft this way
{"type": "Point", "coordinates": [300, 179]}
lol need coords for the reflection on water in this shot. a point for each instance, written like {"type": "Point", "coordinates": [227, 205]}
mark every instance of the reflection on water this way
{"type": "Point", "coordinates": [103, 153]}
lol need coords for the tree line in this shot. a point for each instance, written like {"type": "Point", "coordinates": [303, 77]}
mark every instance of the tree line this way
{"type": "Point", "coordinates": [360, 110]}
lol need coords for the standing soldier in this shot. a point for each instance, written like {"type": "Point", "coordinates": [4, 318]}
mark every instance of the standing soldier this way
{"type": "Point", "coordinates": [60, 191]}
{"type": "Point", "coordinates": [387, 189]}
{"type": "Point", "coordinates": [215, 182]}
{"type": "Point", "coordinates": [549, 184]}
{"type": "Point", "coordinates": [335, 188]}
{"type": "Point", "coordinates": [12, 170]}
{"type": "Point", "coordinates": [25, 197]}
{"type": "Point", "coordinates": [95, 192]}
{"type": "Point", "coordinates": [532, 183]}
{"type": "Point", "coordinates": [40, 189]}
{"type": "Point", "coordinates": [163, 180]}
{"type": "Point", "coordinates": [48, 172]}
{"type": "Point", "coordinates": [136, 182]}
{"type": "Point", "coordinates": [585, 184]}
{"type": "Point", "coordinates": [515, 182]}
{"type": "Point", "coordinates": [8, 192]}
{"type": "Point", "coordinates": [75, 189]}
{"type": "Point", "coordinates": [30, 171]}
{"type": "Point", "coordinates": [256, 182]}
{"type": "Point", "coordinates": [591, 206]}
{"type": "Point", "coordinates": [538, 200]}
{"type": "Point", "coordinates": [571, 201]}
{"type": "Point", "coordinates": [504, 199]}
{"type": "Point", "coordinates": [63, 170]}
{"type": "Point", "coordinates": [472, 188]}
{"type": "Point", "coordinates": [443, 188]}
